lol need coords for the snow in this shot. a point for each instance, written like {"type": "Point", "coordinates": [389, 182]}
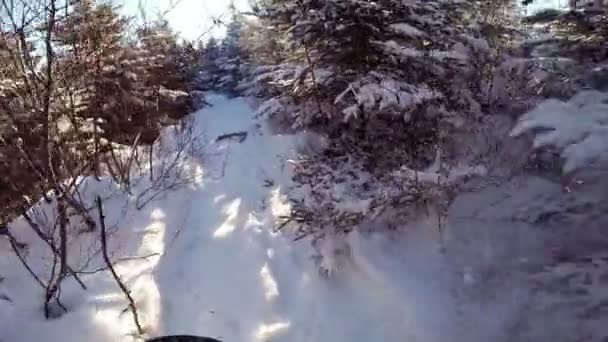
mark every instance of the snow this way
{"type": "Point", "coordinates": [577, 128]}
{"type": "Point", "coordinates": [435, 177]}
{"type": "Point", "coordinates": [393, 47]}
{"type": "Point", "coordinates": [380, 91]}
{"type": "Point", "coordinates": [407, 29]}
{"type": "Point", "coordinates": [477, 44]}
{"type": "Point", "coordinates": [458, 53]}
{"type": "Point", "coordinates": [425, 20]}
{"type": "Point", "coordinates": [271, 107]}
{"type": "Point", "coordinates": [215, 267]}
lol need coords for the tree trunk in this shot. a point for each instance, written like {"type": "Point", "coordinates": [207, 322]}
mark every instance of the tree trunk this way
{"type": "Point", "coordinates": [47, 116]}
{"type": "Point", "coordinates": [63, 237]}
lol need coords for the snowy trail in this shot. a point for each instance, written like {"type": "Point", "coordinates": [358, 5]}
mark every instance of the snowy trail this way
{"type": "Point", "coordinates": [222, 272]}
{"type": "Point", "coordinates": [228, 276]}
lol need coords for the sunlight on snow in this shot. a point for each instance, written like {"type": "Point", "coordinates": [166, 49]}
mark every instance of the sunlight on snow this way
{"type": "Point", "coordinates": [157, 214]}
{"type": "Point", "coordinates": [231, 211]}
{"type": "Point", "coordinates": [268, 331]}
{"type": "Point", "coordinates": [305, 280]}
{"type": "Point", "coordinates": [253, 221]}
{"type": "Point", "coordinates": [271, 289]}
{"type": "Point", "coordinates": [198, 175]}
{"type": "Point", "coordinates": [153, 240]}
{"type": "Point", "coordinates": [278, 203]}
{"type": "Point", "coordinates": [108, 319]}
{"type": "Point", "coordinates": [217, 199]}
{"type": "Point", "coordinates": [137, 275]}
{"type": "Point", "coordinates": [144, 287]}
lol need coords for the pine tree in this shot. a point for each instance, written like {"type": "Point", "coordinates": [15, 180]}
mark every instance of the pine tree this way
{"type": "Point", "coordinates": [232, 60]}
{"type": "Point", "coordinates": [410, 60]}
{"type": "Point", "coordinates": [159, 47]}
{"type": "Point", "coordinates": [390, 83]}
{"type": "Point", "coordinates": [209, 74]}
{"type": "Point", "coordinates": [168, 63]}
{"type": "Point", "coordinates": [187, 62]}
{"type": "Point", "coordinates": [262, 44]}
{"type": "Point", "coordinates": [96, 66]}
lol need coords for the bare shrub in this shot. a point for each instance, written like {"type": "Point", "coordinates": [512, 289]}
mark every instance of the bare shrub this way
{"type": "Point", "coordinates": [78, 100]}
{"type": "Point", "coordinates": [172, 167]}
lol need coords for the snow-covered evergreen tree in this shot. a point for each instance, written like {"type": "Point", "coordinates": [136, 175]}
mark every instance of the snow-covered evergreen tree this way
{"type": "Point", "coordinates": [158, 44]}
{"type": "Point", "coordinates": [82, 88]}
{"type": "Point", "coordinates": [577, 129]}
{"type": "Point", "coordinates": [406, 63]}
{"type": "Point", "coordinates": [232, 57]}
{"type": "Point", "coordinates": [225, 65]}
{"type": "Point", "coordinates": [94, 58]}
{"type": "Point", "coordinates": [209, 70]}
{"type": "Point", "coordinates": [388, 82]}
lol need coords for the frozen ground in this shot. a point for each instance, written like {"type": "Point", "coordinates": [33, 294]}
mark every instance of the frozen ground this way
{"type": "Point", "coordinates": [220, 271]}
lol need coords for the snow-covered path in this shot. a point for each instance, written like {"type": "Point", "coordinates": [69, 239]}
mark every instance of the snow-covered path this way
{"type": "Point", "coordinates": [222, 271]}
{"type": "Point", "coordinates": [228, 275]}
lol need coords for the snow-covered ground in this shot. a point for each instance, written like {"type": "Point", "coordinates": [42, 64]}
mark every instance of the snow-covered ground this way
{"type": "Point", "coordinates": [222, 272]}
{"type": "Point", "coordinates": [539, 5]}
{"type": "Point", "coordinates": [219, 270]}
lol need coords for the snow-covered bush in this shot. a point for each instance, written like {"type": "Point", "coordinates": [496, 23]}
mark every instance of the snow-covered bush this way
{"type": "Point", "coordinates": [337, 193]}
{"type": "Point", "coordinates": [388, 82]}
{"type": "Point", "coordinates": [518, 83]}
{"type": "Point", "coordinates": [577, 129]}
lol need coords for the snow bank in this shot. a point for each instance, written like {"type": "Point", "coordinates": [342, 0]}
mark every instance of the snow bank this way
{"type": "Point", "coordinates": [577, 128]}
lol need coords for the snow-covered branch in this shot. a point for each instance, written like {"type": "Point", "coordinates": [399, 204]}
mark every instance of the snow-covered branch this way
{"type": "Point", "coordinates": [578, 129]}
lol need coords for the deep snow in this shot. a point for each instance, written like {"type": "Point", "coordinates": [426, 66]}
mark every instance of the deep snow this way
{"type": "Point", "coordinates": [222, 272]}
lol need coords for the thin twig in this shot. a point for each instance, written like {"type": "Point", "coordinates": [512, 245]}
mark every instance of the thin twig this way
{"type": "Point", "coordinates": [106, 258]}
{"type": "Point", "coordinates": [172, 6]}
{"type": "Point", "coordinates": [16, 249]}
{"type": "Point", "coordinates": [53, 290]}
{"type": "Point", "coordinates": [284, 223]}
{"type": "Point", "coordinates": [105, 268]}
{"type": "Point", "coordinates": [54, 249]}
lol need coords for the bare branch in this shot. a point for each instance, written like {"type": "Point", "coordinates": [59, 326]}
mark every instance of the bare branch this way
{"type": "Point", "coordinates": [106, 258]}
{"type": "Point", "coordinates": [51, 244]}
{"type": "Point", "coordinates": [17, 250]}
{"type": "Point", "coordinates": [105, 268]}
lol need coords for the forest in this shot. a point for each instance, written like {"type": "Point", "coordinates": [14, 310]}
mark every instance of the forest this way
{"type": "Point", "coordinates": [359, 143]}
